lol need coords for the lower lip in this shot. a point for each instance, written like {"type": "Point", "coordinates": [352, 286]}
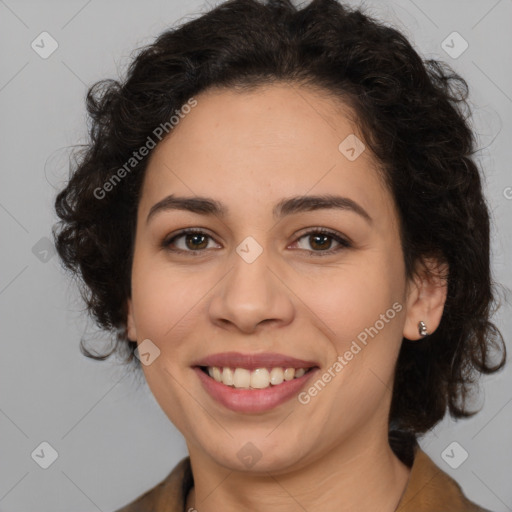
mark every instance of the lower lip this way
{"type": "Point", "coordinates": [253, 400]}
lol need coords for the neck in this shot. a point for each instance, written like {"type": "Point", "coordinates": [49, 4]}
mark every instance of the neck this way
{"type": "Point", "coordinates": [360, 474]}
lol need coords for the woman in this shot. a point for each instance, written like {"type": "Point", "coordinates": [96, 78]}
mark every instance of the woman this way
{"type": "Point", "coordinates": [279, 214]}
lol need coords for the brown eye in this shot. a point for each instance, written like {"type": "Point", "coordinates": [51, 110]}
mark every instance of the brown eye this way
{"type": "Point", "coordinates": [189, 240]}
{"type": "Point", "coordinates": [195, 242]}
{"type": "Point", "coordinates": [320, 241]}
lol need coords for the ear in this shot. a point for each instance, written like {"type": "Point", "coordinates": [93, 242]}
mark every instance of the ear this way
{"type": "Point", "coordinates": [426, 296]}
{"type": "Point", "coordinates": [130, 322]}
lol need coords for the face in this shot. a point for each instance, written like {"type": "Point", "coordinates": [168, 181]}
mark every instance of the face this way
{"type": "Point", "coordinates": [325, 285]}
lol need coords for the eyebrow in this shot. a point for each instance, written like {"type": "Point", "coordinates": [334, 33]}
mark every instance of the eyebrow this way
{"type": "Point", "coordinates": [285, 207]}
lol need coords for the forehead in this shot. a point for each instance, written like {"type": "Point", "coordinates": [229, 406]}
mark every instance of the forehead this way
{"type": "Point", "coordinates": [277, 118]}
{"type": "Point", "coordinates": [268, 142]}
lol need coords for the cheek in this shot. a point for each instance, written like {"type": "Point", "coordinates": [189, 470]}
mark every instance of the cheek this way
{"type": "Point", "coordinates": [348, 298]}
{"type": "Point", "coordinates": [364, 310]}
{"type": "Point", "coordinates": [164, 298]}
{"type": "Point", "coordinates": [362, 306]}
{"type": "Point", "coordinates": [356, 295]}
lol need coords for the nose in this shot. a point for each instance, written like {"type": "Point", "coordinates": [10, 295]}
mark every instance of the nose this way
{"type": "Point", "coordinates": [252, 294]}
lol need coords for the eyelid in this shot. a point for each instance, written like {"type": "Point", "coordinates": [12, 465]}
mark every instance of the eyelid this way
{"type": "Point", "coordinates": [183, 232]}
{"type": "Point", "coordinates": [343, 241]}
{"type": "Point", "coordinates": [326, 231]}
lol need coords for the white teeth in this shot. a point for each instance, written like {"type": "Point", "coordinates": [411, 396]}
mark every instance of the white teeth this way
{"type": "Point", "coordinates": [300, 372]}
{"type": "Point", "coordinates": [260, 378]}
{"type": "Point", "coordinates": [242, 378]}
{"type": "Point", "coordinates": [228, 377]}
{"type": "Point", "coordinates": [289, 373]}
{"type": "Point", "coordinates": [276, 376]}
{"type": "Point", "coordinates": [217, 374]}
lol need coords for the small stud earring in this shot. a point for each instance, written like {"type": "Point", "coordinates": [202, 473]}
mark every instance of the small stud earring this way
{"type": "Point", "coordinates": [422, 328]}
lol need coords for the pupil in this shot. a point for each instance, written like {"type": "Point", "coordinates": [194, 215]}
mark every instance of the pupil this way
{"type": "Point", "coordinates": [325, 237]}
{"type": "Point", "coordinates": [315, 238]}
{"type": "Point", "coordinates": [193, 237]}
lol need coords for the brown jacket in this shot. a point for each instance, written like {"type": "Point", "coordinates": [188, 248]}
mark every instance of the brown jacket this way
{"type": "Point", "coordinates": [429, 490]}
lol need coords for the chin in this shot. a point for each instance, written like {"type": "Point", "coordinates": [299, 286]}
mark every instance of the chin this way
{"type": "Point", "coordinates": [257, 456]}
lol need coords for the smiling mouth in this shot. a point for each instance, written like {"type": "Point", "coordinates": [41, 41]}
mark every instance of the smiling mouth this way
{"type": "Point", "coordinates": [260, 378]}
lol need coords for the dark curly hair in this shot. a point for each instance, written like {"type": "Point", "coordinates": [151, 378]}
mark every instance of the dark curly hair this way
{"type": "Point", "coordinates": [412, 114]}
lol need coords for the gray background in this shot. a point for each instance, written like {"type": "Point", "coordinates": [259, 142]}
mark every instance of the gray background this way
{"type": "Point", "coordinates": [112, 439]}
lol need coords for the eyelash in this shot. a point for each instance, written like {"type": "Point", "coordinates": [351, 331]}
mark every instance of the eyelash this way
{"type": "Point", "coordinates": [345, 244]}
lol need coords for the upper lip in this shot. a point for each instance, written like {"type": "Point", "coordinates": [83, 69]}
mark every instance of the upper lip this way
{"type": "Point", "coordinates": [253, 361]}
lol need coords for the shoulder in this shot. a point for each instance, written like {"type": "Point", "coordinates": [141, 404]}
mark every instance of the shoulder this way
{"type": "Point", "coordinates": [430, 489]}
{"type": "Point", "coordinates": [169, 494]}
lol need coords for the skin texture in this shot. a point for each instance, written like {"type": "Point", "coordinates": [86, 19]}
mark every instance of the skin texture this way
{"type": "Point", "coordinates": [250, 150]}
